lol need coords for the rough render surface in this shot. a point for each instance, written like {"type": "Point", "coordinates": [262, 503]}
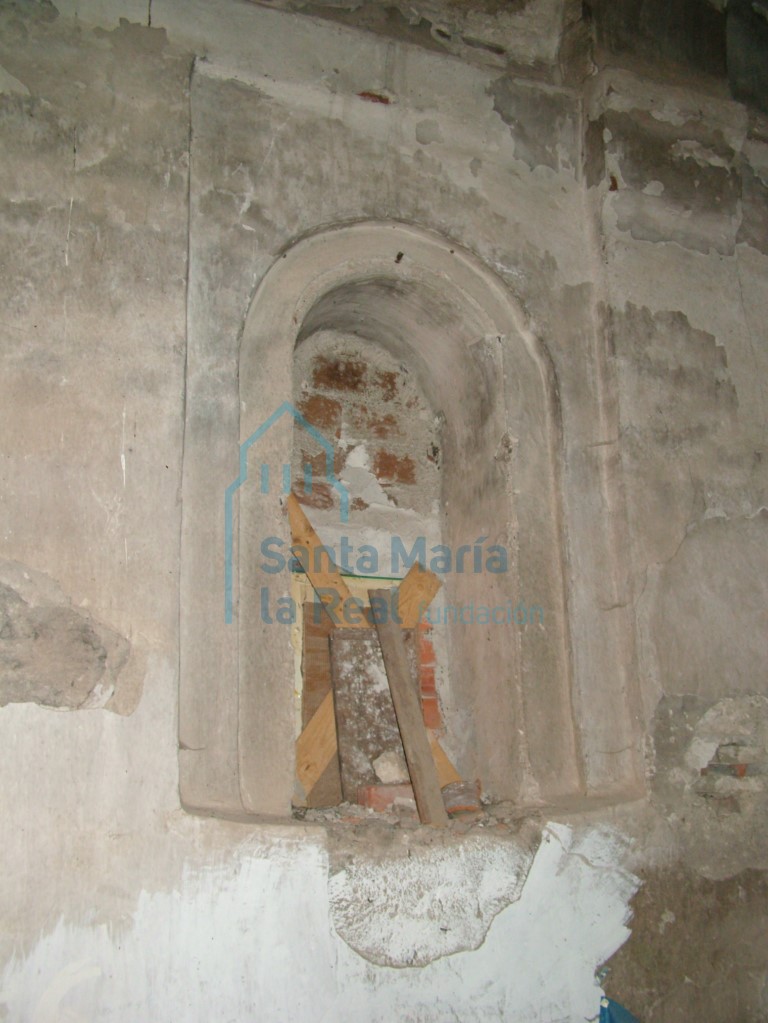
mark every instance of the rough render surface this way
{"type": "Point", "coordinates": [416, 903]}
{"type": "Point", "coordinates": [720, 975]}
{"type": "Point", "coordinates": [630, 223]}
{"type": "Point", "coordinates": [51, 653]}
{"type": "Point", "coordinates": [238, 891]}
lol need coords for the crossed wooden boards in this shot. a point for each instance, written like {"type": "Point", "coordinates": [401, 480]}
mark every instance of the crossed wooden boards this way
{"type": "Point", "coordinates": [429, 767]}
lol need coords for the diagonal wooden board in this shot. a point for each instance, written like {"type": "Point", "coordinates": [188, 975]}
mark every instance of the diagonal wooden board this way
{"type": "Point", "coordinates": [317, 744]}
{"type": "Point", "coordinates": [414, 595]}
{"type": "Point", "coordinates": [405, 696]}
{"type": "Point", "coordinates": [446, 772]}
{"type": "Point", "coordinates": [325, 580]}
{"type": "Point", "coordinates": [316, 747]}
{"type": "Point", "coordinates": [316, 671]}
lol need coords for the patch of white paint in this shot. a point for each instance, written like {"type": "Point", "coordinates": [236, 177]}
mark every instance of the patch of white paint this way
{"type": "Point", "coordinates": [51, 1006]}
{"type": "Point", "coordinates": [700, 753]}
{"type": "Point", "coordinates": [359, 479]}
{"type": "Point", "coordinates": [251, 938]}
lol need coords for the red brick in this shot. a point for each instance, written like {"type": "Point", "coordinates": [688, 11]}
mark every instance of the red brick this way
{"type": "Point", "coordinates": [391, 469]}
{"type": "Point", "coordinates": [319, 463]}
{"type": "Point", "coordinates": [387, 384]}
{"type": "Point", "coordinates": [357, 413]}
{"type": "Point", "coordinates": [427, 655]}
{"type": "Point", "coordinates": [430, 710]}
{"type": "Point", "coordinates": [427, 680]}
{"type": "Point", "coordinates": [382, 797]}
{"type": "Point", "coordinates": [384, 427]}
{"type": "Point", "coordinates": [374, 97]}
{"type": "Point", "coordinates": [338, 374]}
{"type": "Point", "coordinates": [462, 797]}
{"type": "Point", "coordinates": [321, 496]}
{"type": "Point", "coordinates": [323, 413]}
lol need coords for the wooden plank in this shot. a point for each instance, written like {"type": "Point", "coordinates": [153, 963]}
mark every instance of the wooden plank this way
{"type": "Point", "coordinates": [316, 745]}
{"type": "Point", "coordinates": [327, 789]}
{"type": "Point", "coordinates": [315, 659]}
{"type": "Point", "coordinates": [316, 671]}
{"type": "Point", "coordinates": [416, 591]}
{"type": "Point", "coordinates": [405, 697]}
{"type": "Point", "coordinates": [325, 576]}
{"type": "Point", "coordinates": [366, 724]}
{"type": "Point", "coordinates": [414, 594]}
{"type": "Point", "coordinates": [446, 772]}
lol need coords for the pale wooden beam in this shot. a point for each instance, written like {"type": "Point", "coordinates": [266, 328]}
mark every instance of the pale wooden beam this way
{"type": "Point", "coordinates": [405, 696]}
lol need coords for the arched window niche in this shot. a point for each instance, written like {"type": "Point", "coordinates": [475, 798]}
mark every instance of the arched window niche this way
{"type": "Point", "coordinates": [435, 310]}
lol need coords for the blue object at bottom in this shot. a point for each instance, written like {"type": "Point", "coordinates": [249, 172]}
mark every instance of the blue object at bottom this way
{"type": "Point", "coordinates": [612, 1012]}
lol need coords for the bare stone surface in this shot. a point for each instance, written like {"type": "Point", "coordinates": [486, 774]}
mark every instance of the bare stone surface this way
{"type": "Point", "coordinates": [52, 653]}
{"type": "Point", "coordinates": [569, 259]}
{"type": "Point", "coordinates": [714, 588]}
{"type": "Point", "coordinates": [672, 170]}
{"type": "Point", "coordinates": [391, 768]}
{"type": "Point", "coordinates": [720, 818]}
{"type": "Point", "coordinates": [528, 33]}
{"type": "Point", "coordinates": [697, 951]}
{"type": "Point", "coordinates": [543, 124]}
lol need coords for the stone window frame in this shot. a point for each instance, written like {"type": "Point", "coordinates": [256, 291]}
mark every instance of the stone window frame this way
{"type": "Point", "coordinates": [437, 304]}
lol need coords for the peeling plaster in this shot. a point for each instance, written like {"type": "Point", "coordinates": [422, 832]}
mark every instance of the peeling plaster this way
{"type": "Point", "coordinates": [260, 922]}
{"type": "Point", "coordinates": [412, 909]}
{"type": "Point", "coordinates": [52, 653]}
{"type": "Point", "coordinates": [96, 309]}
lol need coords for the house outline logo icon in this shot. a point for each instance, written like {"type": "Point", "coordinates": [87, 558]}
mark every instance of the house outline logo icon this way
{"type": "Point", "coordinates": [287, 408]}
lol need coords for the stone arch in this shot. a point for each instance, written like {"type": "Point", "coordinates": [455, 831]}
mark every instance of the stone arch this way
{"type": "Point", "coordinates": [437, 307]}
{"type": "Point", "coordinates": [440, 310]}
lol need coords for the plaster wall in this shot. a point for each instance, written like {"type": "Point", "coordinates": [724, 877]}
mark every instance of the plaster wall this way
{"type": "Point", "coordinates": [626, 221]}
